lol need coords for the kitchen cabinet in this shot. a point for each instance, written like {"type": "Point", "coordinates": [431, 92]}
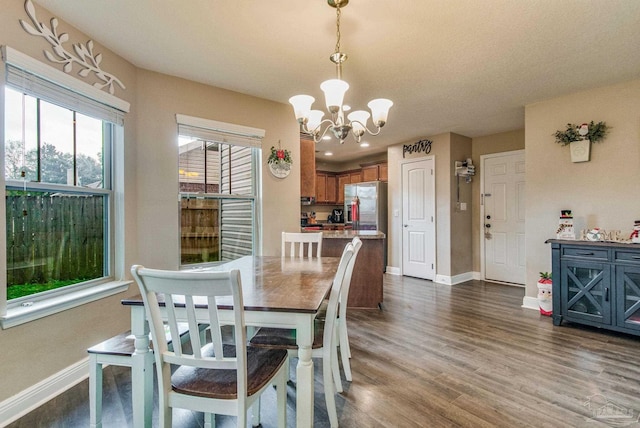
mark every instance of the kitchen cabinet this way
{"type": "Point", "coordinates": [342, 180]}
{"type": "Point", "coordinates": [383, 174]}
{"type": "Point", "coordinates": [332, 188]}
{"type": "Point", "coordinates": [326, 191]}
{"type": "Point", "coordinates": [307, 168]}
{"type": "Point", "coordinates": [597, 284]}
{"type": "Point", "coordinates": [375, 172]}
{"type": "Point", "coordinates": [355, 176]}
{"type": "Point", "coordinates": [370, 173]}
{"type": "Point", "coordinates": [368, 273]}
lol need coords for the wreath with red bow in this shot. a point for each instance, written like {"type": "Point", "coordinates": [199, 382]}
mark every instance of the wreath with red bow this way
{"type": "Point", "coordinates": [279, 156]}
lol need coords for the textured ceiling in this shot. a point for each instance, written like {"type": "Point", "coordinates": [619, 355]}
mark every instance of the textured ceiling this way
{"type": "Point", "coordinates": [463, 66]}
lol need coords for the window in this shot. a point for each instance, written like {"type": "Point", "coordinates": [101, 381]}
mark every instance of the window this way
{"type": "Point", "coordinates": [56, 236]}
{"type": "Point", "coordinates": [218, 170]}
{"type": "Point", "coordinates": [58, 151]}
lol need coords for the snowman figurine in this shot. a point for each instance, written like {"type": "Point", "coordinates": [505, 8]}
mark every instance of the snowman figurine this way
{"type": "Point", "coordinates": [635, 235]}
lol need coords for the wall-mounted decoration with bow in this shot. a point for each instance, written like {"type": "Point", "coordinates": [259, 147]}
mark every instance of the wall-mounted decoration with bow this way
{"type": "Point", "coordinates": [580, 137]}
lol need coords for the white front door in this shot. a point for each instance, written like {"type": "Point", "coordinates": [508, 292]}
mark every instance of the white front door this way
{"type": "Point", "coordinates": [503, 199]}
{"type": "Point", "coordinates": [418, 219]}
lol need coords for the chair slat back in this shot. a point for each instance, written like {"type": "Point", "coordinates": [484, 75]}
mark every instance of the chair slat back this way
{"type": "Point", "coordinates": [183, 292]}
{"type": "Point", "coordinates": [298, 242]}
{"type": "Point", "coordinates": [329, 338]}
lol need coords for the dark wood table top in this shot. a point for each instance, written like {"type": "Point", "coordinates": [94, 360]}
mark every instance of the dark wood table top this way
{"type": "Point", "coordinates": [277, 283]}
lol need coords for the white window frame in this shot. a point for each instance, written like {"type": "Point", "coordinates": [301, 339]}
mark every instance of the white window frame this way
{"type": "Point", "coordinates": [240, 135]}
{"type": "Point", "coordinates": [48, 303]}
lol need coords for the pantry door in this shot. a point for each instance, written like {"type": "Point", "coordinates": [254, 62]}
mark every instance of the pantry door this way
{"type": "Point", "coordinates": [418, 219]}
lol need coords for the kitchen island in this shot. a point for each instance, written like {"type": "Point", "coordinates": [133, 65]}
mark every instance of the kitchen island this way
{"type": "Point", "coordinates": [368, 272]}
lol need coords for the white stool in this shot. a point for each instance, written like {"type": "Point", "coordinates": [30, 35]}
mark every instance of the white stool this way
{"type": "Point", "coordinates": [116, 351]}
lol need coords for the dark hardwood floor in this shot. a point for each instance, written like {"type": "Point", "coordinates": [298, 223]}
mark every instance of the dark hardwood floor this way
{"type": "Point", "coordinates": [436, 355]}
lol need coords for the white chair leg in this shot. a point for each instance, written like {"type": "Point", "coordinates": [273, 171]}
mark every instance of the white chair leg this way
{"type": "Point", "coordinates": [344, 336]}
{"type": "Point", "coordinates": [165, 416]}
{"type": "Point", "coordinates": [346, 365]}
{"type": "Point", "coordinates": [335, 368]}
{"type": "Point", "coordinates": [242, 419]}
{"type": "Point", "coordinates": [345, 352]}
{"type": "Point", "coordinates": [255, 413]}
{"type": "Point", "coordinates": [329, 392]}
{"type": "Point", "coordinates": [209, 420]}
{"type": "Point", "coordinates": [281, 395]}
{"type": "Point", "coordinates": [95, 392]}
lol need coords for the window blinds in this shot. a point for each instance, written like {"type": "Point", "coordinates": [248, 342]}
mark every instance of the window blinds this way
{"type": "Point", "coordinates": [220, 132]}
{"type": "Point", "coordinates": [40, 80]}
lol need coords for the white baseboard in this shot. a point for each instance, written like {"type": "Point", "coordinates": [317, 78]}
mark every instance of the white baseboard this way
{"type": "Point", "coordinates": [530, 303]}
{"type": "Point", "coordinates": [477, 275]}
{"type": "Point", "coordinates": [31, 398]}
{"type": "Point", "coordinates": [393, 270]}
{"type": "Point", "coordinates": [453, 280]}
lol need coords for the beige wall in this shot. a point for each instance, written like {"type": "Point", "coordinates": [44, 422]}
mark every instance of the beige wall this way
{"type": "Point", "coordinates": [461, 250]}
{"type": "Point", "coordinates": [602, 192]}
{"type": "Point", "coordinates": [34, 351]}
{"type": "Point", "coordinates": [450, 244]}
{"type": "Point", "coordinates": [496, 143]}
{"type": "Point", "coordinates": [160, 97]}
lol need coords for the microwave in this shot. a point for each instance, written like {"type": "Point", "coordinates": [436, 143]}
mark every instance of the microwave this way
{"type": "Point", "coordinates": [307, 200]}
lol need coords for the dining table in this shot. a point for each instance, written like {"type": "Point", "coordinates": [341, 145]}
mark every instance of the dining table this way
{"type": "Point", "coordinates": [280, 292]}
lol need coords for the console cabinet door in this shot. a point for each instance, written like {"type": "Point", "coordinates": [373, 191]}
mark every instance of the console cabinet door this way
{"type": "Point", "coordinates": [586, 292]}
{"type": "Point", "coordinates": [628, 297]}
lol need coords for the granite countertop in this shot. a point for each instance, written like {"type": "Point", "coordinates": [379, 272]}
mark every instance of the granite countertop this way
{"type": "Point", "coordinates": [350, 234]}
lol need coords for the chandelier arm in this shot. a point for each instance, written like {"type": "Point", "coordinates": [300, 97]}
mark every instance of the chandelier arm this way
{"type": "Point", "coordinates": [364, 125]}
{"type": "Point", "coordinates": [320, 135]}
{"type": "Point", "coordinates": [315, 132]}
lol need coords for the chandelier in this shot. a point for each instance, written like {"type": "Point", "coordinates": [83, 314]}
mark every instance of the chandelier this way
{"type": "Point", "coordinates": [311, 121]}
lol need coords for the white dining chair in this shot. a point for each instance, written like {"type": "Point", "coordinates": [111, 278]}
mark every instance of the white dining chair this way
{"type": "Point", "coordinates": [341, 323]}
{"type": "Point", "coordinates": [213, 378]}
{"type": "Point", "coordinates": [325, 341]}
{"type": "Point", "coordinates": [295, 243]}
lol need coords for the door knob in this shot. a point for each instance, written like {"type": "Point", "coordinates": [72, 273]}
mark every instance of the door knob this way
{"type": "Point", "coordinates": [487, 225]}
{"type": "Point", "coordinates": [488, 217]}
{"type": "Point", "coordinates": [406, 225]}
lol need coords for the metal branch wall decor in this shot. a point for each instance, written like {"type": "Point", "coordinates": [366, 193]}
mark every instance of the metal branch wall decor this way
{"type": "Point", "coordinates": [88, 61]}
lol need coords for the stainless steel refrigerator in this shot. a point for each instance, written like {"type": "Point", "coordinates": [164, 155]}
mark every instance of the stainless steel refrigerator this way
{"type": "Point", "coordinates": [372, 208]}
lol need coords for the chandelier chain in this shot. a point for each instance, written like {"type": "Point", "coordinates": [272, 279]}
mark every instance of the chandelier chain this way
{"type": "Point", "coordinates": [337, 28]}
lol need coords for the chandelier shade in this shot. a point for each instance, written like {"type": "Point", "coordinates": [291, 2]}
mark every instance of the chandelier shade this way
{"type": "Point", "coordinates": [311, 121]}
{"type": "Point", "coordinates": [359, 120]}
{"type": "Point", "coordinates": [315, 119]}
{"type": "Point", "coordinates": [334, 90]}
{"type": "Point", "coordinates": [301, 105]}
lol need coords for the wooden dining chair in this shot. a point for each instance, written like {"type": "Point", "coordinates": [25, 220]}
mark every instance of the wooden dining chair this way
{"type": "Point", "coordinates": [325, 338]}
{"type": "Point", "coordinates": [294, 244]}
{"type": "Point", "coordinates": [213, 378]}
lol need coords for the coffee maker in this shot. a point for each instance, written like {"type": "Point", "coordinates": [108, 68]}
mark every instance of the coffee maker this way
{"type": "Point", "coordinates": [337, 216]}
